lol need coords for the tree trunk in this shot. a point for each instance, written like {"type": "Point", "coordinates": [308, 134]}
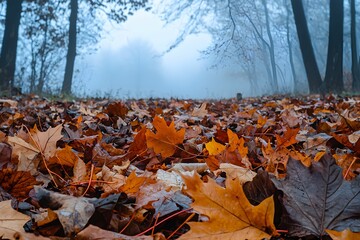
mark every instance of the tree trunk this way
{"type": "Point", "coordinates": [307, 51]}
{"type": "Point", "coordinates": [271, 50]}
{"type": "Point", "coordinates": [291, 57]}
{"type": "Point", "coordinates": [355, 71]}
{"type": "Point", "coordinates": [9, 44]}
{"type": "Point", "coordinates": [71, 54]}
{"type": "Point", "coordinates": [334, 65]}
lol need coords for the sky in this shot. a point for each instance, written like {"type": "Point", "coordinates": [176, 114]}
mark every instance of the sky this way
{"type": "Point", "coordinates": [122, 67]}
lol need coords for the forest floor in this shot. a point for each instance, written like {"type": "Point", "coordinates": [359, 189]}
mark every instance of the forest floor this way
{"type": "Point", "coordinates": [259, 168]}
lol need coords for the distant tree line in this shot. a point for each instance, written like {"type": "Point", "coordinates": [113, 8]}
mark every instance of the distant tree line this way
{"type": "Point", "coordinates": [269, 36]}
{"type": "Point", "coordinates": [273, 40]}
{"type": "Point", "coordinates": [50, 32]}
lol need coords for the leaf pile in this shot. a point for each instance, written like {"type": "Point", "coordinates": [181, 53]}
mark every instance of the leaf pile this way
{"type": "Point", "coordinates": [270, 167]}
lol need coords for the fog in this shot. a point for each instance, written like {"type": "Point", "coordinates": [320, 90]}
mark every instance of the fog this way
{"type": "Point", "coordinates": [132, 61]}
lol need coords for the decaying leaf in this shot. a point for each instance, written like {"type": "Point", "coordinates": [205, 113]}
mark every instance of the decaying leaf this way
{"type": "Point", "coordinates": [318, 198]}
{"type": "Point", "coordinates": [230, 214]}
{"type": "Point", "coordinates": [73, 212]}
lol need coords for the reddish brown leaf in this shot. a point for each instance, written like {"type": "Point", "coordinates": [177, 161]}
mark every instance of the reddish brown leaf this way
{"type": "Point", "coordinates": [17, 183]}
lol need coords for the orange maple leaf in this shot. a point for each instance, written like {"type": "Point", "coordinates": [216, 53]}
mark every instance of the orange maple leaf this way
{"type": "Point", "coordinates": [214, 148]}
{"type": "Point", "coordinates": [236, 143]}
{"type": "Point", "coordinates": [165, 139]}
{"type": "Point", "coordinates": [231, 216]}
{"type": "Point", "coordinates": [288, 139]}
{"type": "Point", "coordinates": [133, 184]}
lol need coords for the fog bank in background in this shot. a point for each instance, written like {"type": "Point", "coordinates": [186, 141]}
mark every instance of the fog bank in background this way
{"type": "Point", "coordinates": [132, 62]}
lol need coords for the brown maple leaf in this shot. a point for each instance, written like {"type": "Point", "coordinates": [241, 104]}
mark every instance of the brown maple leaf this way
{"type": "Point", "coordinates": [166, 138]}
{"type": "Point", "coordinates": [231, 216]}
{"type": "Point", "coordinates": [17, 183]}
{"type": "Point", "coordinates": [46, 141]}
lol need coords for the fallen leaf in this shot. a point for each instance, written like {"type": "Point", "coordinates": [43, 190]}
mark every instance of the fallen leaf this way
{"type": "Point", "coordinates": [113, 180]}
{"type": "Point", "coordinates": [233, 171]}
{"type": "Point", "coordinates": [95, 233]}
{"type": "Point", "coordinates": [133, 184]}
{"type": "Point", "coordinates": [11, 221]}
{"type": "Point", "coordinates": [200, 112]}
{"type": "Point", "coordinates": [26, 153]}
{"type": "Point", "coordinates": [46, 141]}
{"type": "Point", "coordinates": [17, 183]}
{"type": "Point", "coordinates": [237, 144]}
{"type": "Point", "coordinates": [230, 214]}
{"type": "Point", "coordinates": [288, 138]}
{"type": "Point", "coordinates": [214, 148]}
{"type": "Point", "coordinates": [166, 138]}
{"type": "Point", "coordinates": [344, 235]}
{"type": "Point", "coordinates": [73, 212]}
{"type": "Point", "coordinates": [318, 198]}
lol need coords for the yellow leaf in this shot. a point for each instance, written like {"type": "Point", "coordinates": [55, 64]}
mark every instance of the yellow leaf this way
{"type": "Point", "coordinates": [165, 139]}
{"type": "Point", "coordinates": [214, 148]}
{"type": "Point", "coordinates": [230, 215]}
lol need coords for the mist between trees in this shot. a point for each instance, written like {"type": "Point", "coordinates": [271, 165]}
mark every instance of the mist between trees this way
{"type": "Point", "coordinates": [269, 47]}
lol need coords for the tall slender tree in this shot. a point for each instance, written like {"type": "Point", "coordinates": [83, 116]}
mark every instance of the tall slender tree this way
{"type": "Point", "coordinates": [307, 51]}
{"type": "Point", "coordinates": [355, 70]}
{"type": "Point", "coordinates": [9, 44]}
{"type": "Point", "coordinates": [334, 65]}
{"type": "Point", "coordinates": [71, 53]}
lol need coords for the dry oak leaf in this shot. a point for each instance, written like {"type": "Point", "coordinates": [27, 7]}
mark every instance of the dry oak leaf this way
{"type": "Point", "coordinates": [165, 139]}
{"type": "Point", "coordinates": [344, 235]}
{"type": "Point", "coordinates": [45, 142]}
{"type": "Point", "coordinates": [214, 148]}
{"type": "Point", "coordinates": [317, 198]}
{"type": "Point", "coordinates": [230, 214]}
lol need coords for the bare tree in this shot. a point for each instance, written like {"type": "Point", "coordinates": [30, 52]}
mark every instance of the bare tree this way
{"type": "Point", "coordinates": [9, 44]}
